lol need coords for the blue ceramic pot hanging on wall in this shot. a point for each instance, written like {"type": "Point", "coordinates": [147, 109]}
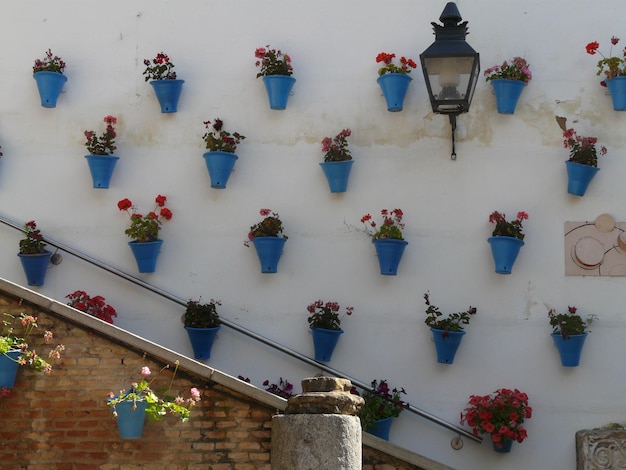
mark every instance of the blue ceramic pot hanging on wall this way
{"type": "Point", "coordinates": [394, 87]}
{"type": "Point", "coordinates": [569, 348]}
{"type": "Point", "coordinates": [101, 168]}
{"type": "Point", "coordinates": [389, 253]}
{"type": "Point", "coordinates": [49, 85]}
{"type": "Point", "coordinates": [578, 177]}
{"type": "Point", "coordinates": [507, 94]}
{"type": "Point", "coordinates": [269, 250]}
{"type": "Point", "coordinates": [617, 88]}
{"type": "Point", "coordinates": [146, 254]}
{"type": "Point", "coordinates": [337, 174]}
{"type": "Point", "coordinates": [220, 165]}
{"type": "Point", "coordinates": [324, 343]}
{"type": "Point", "coordinates": [35, 267]}
{"type": "Point", "coordinates": [446, 344]}
{"type": "Point", "coordinates": [168, 93]}
{"type": "Point", "coordinates": [278, 88]}
{"type": "Point", "coordinates": [504, 251]}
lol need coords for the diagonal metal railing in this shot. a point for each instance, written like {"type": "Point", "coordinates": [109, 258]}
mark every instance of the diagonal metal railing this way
{"type": "Point", "coordinates": [240, 329]}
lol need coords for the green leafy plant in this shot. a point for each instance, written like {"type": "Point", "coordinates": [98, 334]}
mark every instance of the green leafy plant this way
{"type": "Point", "coordinates": [95, 306]}
{"type": "Point", "coordinates": [157, 407]}
{"type": "Point", "coordinates": [380, 402]}
{"type": "Point", "coordinates": [336, 149]}
{"type": "Point", "coordinates": [516, 69]}
{"type": "Point", "coordinates": [452, 322]}
{"type": "Point", "coordinates": [569, 323]}
{"type": "Point", "coordinates": [105, 144]}
{"type": "Point", "coordinates": [16, 336]}
{"type": "Point", "coordinates": [160, 68]}
{"type": "Point", "coordinates": [33, 243]}
{"type": "Point", "coordinates": [405, 64]}
{"type": "Point", "coordinates": [270, 226]}
{"type": "Point", "coordinates": [326, 315]}
{"type": "Point", "coordinates": [610, 66]}
{"type": "Point", "coordinates": [199, 315]}
{"type": "Point", "coordinates": [50, 63]}
{"type": "Point", "coordinates": [500, 414]}
{"type": "Point", "coordinates": [219, 140]}
{"type": "Point", "coordinates": [581, 149]}
{"type": "Point", "coordinates": [145, 228]}
{"type": "Point", "coordinates": [272, 62]}
{"type": "Point", "coordinates": [390, 228]}
{"type": "Point", "coordinates": [505, 228]}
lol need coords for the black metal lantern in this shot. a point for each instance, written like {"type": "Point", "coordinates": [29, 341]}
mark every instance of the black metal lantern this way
{"type": "Point", "coordinates": [450, 67]}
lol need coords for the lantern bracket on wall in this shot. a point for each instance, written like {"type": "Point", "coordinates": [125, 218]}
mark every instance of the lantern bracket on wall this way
{"type": "Point", "coordinates": [450, 68]}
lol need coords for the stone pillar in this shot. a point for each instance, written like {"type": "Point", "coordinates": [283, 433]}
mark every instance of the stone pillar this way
{"type": "Point", "coordinates": [320, 429]}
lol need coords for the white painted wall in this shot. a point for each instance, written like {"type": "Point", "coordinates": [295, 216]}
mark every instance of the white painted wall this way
{"type": "Point", "coordinates": [505, 163]}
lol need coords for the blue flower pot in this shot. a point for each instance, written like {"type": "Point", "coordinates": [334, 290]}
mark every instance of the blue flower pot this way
{"type": "Point", "coordinates": [503, 447]}
{"type": "Point", "coordinates": [168, 93]}
{"type": "Point", "coordinates": [202, 341]}
{"type": "Point", "coordinates": [569, 348]}
{"type": "Point", "coordinates": [381, 428]}
{"type": "Point", "coordinates": [101, 168]}
{"type": "Point", "coordinates": [337, 174]}
{"type": "Point", "coordinates": [146, 254]}
{"type": "Point", "coordinates": [507, 94]}
{"type": "Point", "coordinates": [389, 253]}
{"type": "Point", "coordinates": [617, 88]}
{"type": "Point", "coordinates": [394, 87]}
{"type": "Point", "coordinates": [35, 267]}
{"type": "Point", "coordinates": [446, 344]}
{"type": "Point", "coordinates": [505, 251]}
{"type": "Point", "coordinates": [49, 85]}
{"type": "Point", "coordinates": [220, 166]}
{"type": "Point", "coordinates": [8, 368]}
{"type": "Point", "coordinates": [269, 249]}
{"type": "Point", "coordinates": [324, 342]}
{"type": "Point", "coordinates": [578, 177]}
{"type": "Point", "coordinates": [130, 422]}
{"type": "Point", "coordinates": [278, 88]}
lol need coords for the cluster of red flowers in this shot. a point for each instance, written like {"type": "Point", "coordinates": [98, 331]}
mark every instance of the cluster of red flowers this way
{"type": "Point", "coordinates": [145, 228]}
{"type": "Point", "coordinates": [272, 62]}
{"type": "Point", "coordinates": [50, 63]}
{"type": "Point", "coordinates": [582, 149]}
{"type": "Point", "coordinates": [611, 66]}
{"type": "Point", "coordinates": [104, 145]}
{"type": "Point", "coordinates": [219, 140]}
{"type": "Point", "coordinates": [500, 414]}
{"type": "Point", "coordinates": [161, 70]}
{"type": "Point", "coordinates": [391, 227]}
{"type": "Point", "coordinates": [387, 58]}
{"type": "Point", "coordinates": [336, 149]}
{"type": "Point", "coordinates": [326, 315]}
{"type": "Point", "coordinates": [270, 226]}
{"type": "Point", "coordinates": [95, 306]}
{"type": "Point", "coordinates": [507, 229]}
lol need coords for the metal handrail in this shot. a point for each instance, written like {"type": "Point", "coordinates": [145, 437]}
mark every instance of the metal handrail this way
{"type": "Point", "coordinates": [238, 328]}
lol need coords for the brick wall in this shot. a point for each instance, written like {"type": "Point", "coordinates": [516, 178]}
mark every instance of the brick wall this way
{"type": "Point", "coordinates": [61, 421]}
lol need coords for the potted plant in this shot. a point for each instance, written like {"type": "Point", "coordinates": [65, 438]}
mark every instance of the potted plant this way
{"type": "Point", "coordinates": [17, 349]}
{"type": "Point", "coordinates": [48, 74]}
{"type": "Point", "coordinates": [387, 239]}
{"type": "Point", "coordinates": [268, 239]}
{"type": "Point", "coordinates": [33, 255]}
{"type": "Point", "coordinates": [614, 70]}
{"type": "Point", "coordinates": [95, 306]}
{"type": "Point", "coordinates": [101, 159]}
{"type": "Point", "coordinates": [276, 71]}
{"type": "Point", "coordinates": [144, 232]}
{"type": "Point", "coordinates": [501, 415]}
{"type": "Point", "coordinates": [382, 404]}
{"type": "Point", "coordinates": [167, 88]}
{"type": "Point", "coordinates": [202, 323]}
{"type": "Point", "coordinates": [447, 331]}
{"type": "Point", "coordinates": [508, 81]}
{"type": "Point", "coordinates": [325, 324]}
{"type": "Point", "coordinates": [569, 332]}
{"type": "Point", "coordinates": [220, 158]}
{"type": "Point", "coordinates": [506, 240]}
{"type": "Point", "coordinates": [583, 158]}
{"type": "Point", "coordinates": [130, 407]}
{"type": "Point", "coordinates": [337, 161]}
{"type": "Point", "coordinates": [394, 80]}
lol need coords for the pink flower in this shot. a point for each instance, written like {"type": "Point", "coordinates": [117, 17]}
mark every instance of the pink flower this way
{"type": "Point", "coordinates": [145, 371]}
